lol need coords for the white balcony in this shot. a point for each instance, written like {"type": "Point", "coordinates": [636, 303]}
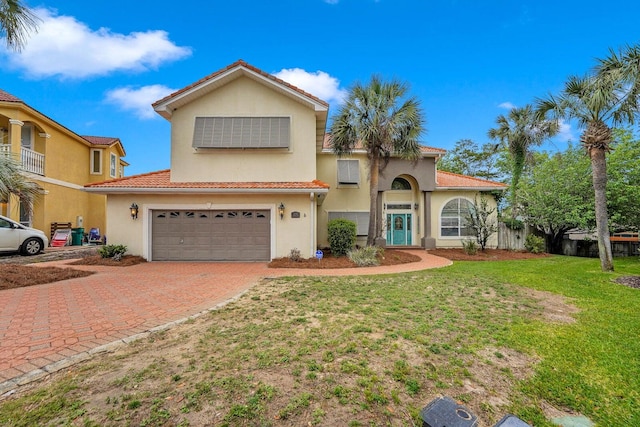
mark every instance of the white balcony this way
{"type": "Point", "coordinates": [32, 161]}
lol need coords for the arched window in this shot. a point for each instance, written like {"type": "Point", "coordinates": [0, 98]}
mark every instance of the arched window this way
{"type": "Point", "coordinates": [400, 184]}
{"type": "Point", "coordinates": [454, 219]}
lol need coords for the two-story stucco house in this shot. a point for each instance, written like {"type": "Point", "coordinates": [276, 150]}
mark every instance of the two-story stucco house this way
{"type": "Point", "coordinates": [61, 162]}
{"type": "Point", "coordinates": [252, 178]}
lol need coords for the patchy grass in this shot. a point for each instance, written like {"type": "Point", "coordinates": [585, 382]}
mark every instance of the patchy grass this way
{"type": "Point", "coordinates": [374, 350]}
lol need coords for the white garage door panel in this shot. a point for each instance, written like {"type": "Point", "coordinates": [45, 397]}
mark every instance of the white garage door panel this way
{"type": "Point", "coordinates": [224, 235]}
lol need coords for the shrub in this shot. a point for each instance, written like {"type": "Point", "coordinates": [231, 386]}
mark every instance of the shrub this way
{"type": "Point", "coordinates": [342, 236]}
{"type": "Point", "coordinates": [534, 244]}
{"type": "Point", "coordinates": [366, 256]}
{"type": "Point", "coordinates": [470, 247]}
{"type": "Point", "coordinates": [110, 251]}
{"type": "Point", "coordinates": [295, 255]}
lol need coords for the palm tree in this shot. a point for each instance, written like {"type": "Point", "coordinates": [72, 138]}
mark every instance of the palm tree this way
{"type": "Point", "coordinates": [375, 119]}
{"type": "Point", "coordinates": [519, 131]}
{"type": "Point", "coordinates": [14, 182]}
{"type": "Point", "coordinates": [606, 98]}
{"type": "Point", "coordinates": [16, 21]}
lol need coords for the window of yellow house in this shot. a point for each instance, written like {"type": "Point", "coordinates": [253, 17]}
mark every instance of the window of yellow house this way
{"type": "Point", "coordinates": [26, 136]}
{"type": "Point", "coordinates": [113, 161]}
{"type": "Point", "coordinates": [96, 161]}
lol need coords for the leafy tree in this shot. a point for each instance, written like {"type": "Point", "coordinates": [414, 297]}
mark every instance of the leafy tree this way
{"type": "Point", "coordinates": [557, 195]}
{"type": "Point", "coordinates": [482, 220]}
{"type": "Point", "coordinates": [520, 130]}
{"type": "Point", "coordinates": [623, 183]}
{"type": "Point", "coordinates": [16, 21]}
{"type": "Point", "coordinates": [604, 98]}
{"type": "Point", "coordinates": [375, 119]}
{"type": "Point", "coordinates": [467, 158]}
{"type": "Point", "coordinates": [14, 182]}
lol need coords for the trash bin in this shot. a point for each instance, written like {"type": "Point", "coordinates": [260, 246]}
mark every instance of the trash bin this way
{"type": "Point", "coordinates": [77, 234]}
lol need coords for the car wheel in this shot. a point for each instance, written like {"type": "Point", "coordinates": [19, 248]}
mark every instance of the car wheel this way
{"type": "Point", "coordinates": [32, 246]}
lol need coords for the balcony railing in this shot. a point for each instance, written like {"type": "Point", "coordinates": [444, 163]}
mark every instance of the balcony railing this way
{"type": "Point", "coordinates": [32, 161]}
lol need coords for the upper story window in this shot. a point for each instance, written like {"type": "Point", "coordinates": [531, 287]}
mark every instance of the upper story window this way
{"type": "Point", "coordinates": [26, 136]}
{"type": "Point", "coordinates": [348, 172]}
{"type": "Point", "coordinates": [113, 165]}
{"type": "Point", "coordinates": [454, 219]}
{"type": "Point", "coordinates": [242, 132]}
{"type": "Point", "coordinates": [400, 184]}
{"type": "Point", "coordinates": [96, 162]}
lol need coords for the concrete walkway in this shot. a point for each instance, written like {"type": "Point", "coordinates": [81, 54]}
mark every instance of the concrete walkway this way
{"type": "Point", "coordinates": [49, 327]}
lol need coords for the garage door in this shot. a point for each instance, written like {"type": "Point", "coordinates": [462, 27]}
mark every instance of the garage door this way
{"type": "Point", "coordinates": [224, 235]}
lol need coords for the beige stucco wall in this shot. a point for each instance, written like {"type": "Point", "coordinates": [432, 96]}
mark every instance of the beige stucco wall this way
{"type": "Point", "coordinates": [438, 200]}
{"type": "Point", "coordinates": [286, 234]}
{"type": "Point", "coordinates": [248, 98]}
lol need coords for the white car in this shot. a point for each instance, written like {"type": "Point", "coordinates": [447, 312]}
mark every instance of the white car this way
{"type": "Point", "coordinates": [15, 237]}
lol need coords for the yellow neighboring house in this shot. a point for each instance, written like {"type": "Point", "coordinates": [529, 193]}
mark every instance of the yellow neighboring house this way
{"type": "Point", "coordinates": [61, 162]}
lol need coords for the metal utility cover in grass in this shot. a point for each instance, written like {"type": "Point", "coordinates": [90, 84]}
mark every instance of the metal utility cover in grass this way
{"type": "Point", "coordinates": [445, 412]}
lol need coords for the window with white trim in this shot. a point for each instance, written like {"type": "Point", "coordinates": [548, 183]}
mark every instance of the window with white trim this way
{"type": "Point", "coordinates": [96, 161]}
{"type": "Point", "coordinates": [242, 132]}
{"type": "Point", "coordinates": [360, 218]}
{"type": "Point", "coordinates": [454, 219]}
{"type": "Point", "coordinates": [113, 165]}
{"type": "Point", "coordinates": [348, 172]}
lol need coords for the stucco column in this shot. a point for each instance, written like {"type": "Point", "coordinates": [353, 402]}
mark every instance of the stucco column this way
{"type": "Point", "coordinates": [15, 137]}
{"type": "Point", "coordinates": [428, 241]}
{"type": "Point", "coordinates": [380, 241]}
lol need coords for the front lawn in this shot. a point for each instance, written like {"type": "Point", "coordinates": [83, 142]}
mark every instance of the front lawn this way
{"type": "Point", "coordinates": [539, 338]}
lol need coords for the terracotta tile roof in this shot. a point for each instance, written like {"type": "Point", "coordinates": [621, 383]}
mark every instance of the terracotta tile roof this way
{"type": "Point", "coordinates": [326, 145]}
{"type": "Point", "coordinates": [454, 180]}
{"type": "Point", "coordinates": [160, 180]}
{"type": "Point", "coordinates": [7, 97]}
{"type": "Point", "coordinates": [240, 63]}
{"type": "Point", "coordinates": [101, 140]}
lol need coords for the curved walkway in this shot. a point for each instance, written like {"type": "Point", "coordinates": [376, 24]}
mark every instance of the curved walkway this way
{"type": "Point", "coordinates": [49, 327]}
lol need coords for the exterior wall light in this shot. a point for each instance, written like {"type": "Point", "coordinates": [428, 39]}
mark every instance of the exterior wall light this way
{"type": "Point", "coordinates": [281, 210]}
{"type": "Point", "coordinates": [416, 206]}
{"type": "Point", "coordinates": [134, 211]}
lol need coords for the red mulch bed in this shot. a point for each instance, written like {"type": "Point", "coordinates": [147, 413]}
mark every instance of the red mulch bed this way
{"type": "Point", "coordinates": [125, 261]}
{"type": "Point", "coordinates": [486, 255]}
{"type": "Point", "coordinates": [18, 276]}
{"type": "Point", "coordinates": [390, 257]}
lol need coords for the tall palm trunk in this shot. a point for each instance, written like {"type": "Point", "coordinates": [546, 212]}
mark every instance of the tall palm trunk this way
{"type": "Point", "coordinates": [599, 173]}
{"type": "Point", "coordinates": [374, 172]}
{"type": "Point", "coordinates": [597, 141]}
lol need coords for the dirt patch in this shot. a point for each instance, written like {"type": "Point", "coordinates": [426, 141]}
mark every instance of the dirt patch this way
{"type": "Point", "coordinates": [630, 281]}
{"type": "Point", "coordinates": [18, 276]}
{"type": "Point", "coordinates": [556, 308]}
{"type": "Point", "coordinates": [389, 257]}
{"type": "Point", "coordinates": [458, 254]}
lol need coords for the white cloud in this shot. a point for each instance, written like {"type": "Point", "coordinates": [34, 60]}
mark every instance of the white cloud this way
{"type": "Point", "coordinates": [565, 133]}
{"type": "Point", "coordinates": [67, 48]}
{"type": "Point", "coordinates": [319, 84]}
{"type": "Point", "coordinates": [138, 100]}
{"type": "Point", "coordinates": [507, 106]}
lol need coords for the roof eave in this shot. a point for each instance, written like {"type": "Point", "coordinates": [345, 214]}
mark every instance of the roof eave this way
{"type": "Point", "coordinates": [133, 190]}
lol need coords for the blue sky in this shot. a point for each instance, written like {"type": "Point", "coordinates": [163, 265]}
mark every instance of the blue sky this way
{"type": "Point", "coordinates": [97, 69]}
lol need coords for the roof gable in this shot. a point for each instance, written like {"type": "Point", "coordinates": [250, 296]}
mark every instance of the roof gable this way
{"type": "Point", "coordinates": [168, 104]}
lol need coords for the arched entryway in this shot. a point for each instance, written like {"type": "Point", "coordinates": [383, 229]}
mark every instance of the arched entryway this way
{"type": "Point", "coordinates": [401, 212]}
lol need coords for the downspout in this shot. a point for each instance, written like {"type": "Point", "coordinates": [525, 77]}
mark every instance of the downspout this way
{"type": "Point", "coordinates": [312, 217]}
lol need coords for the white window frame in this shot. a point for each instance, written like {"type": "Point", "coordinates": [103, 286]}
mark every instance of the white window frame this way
{"type": "Point", "coordinates": [461, 220]}
{"type": "Point", "coordinates": [113, 165]}
{"type": "Point", "coordinates": [93, 164]}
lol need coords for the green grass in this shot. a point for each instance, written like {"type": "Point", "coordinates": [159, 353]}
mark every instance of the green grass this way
{"type": "Point", "coordinates": [373, 351]}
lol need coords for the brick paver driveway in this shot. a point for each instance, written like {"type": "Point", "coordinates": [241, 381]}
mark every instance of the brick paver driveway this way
{"type": "Point", "coordinates": [45, 328]}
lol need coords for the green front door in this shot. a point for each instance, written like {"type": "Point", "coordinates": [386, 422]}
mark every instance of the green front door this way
{"type": "Point", "coordinates": [399, 229]}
